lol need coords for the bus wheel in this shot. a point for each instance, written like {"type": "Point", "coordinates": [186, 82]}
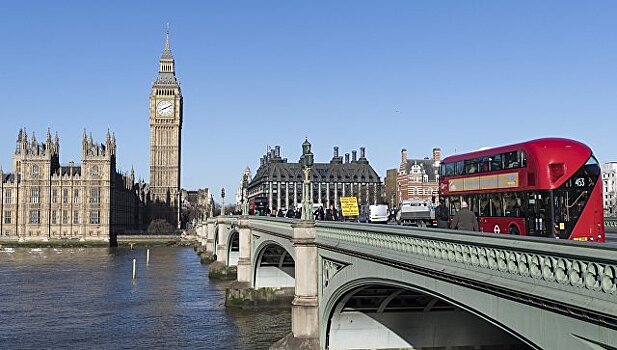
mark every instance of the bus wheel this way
{"type": "Point", "coordinates": [420, 223]}
{"type": "Point", "coordinates": [514, 231]}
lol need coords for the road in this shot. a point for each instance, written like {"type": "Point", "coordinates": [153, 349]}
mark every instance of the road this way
{"type": "Point", "coordinates": [611, 238]}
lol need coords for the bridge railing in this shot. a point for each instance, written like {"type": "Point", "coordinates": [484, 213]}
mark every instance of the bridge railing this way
{"type": "Point", "coordinates": [275, 226]}
{"type": "Point", "coordinates": [522, 266]}
{"type": "Point", "coordinates": [610, 224]}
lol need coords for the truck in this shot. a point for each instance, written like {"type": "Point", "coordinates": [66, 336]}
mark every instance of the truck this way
{"type": "Point", "coordinates": [418, 212]}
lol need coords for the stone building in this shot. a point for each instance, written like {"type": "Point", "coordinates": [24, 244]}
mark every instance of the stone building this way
{"type": "Point", "coordinates": [280, 183]}
{"type": "Point", "coordinates": [165, 140]}
{"type": "Point", "coordinates": [609, 182]}
{"type": "Point", "coordinates": [43, 199]}
{"type": "Point", "coordinates": [418, 178]}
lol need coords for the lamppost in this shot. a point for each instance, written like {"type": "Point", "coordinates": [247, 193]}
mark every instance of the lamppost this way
{"type": "Point", "coordinates": [211, 206]}
{"type": "Point", "coordinates": [223, 201]}
{"type": "Point", "coordinates": [306, 162]}
{"type": "Point", "coordinates": [245, 200]}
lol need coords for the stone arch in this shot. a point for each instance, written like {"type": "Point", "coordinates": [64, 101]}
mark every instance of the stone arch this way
{"type": "Point", "coordinates": [233, 247]}
{"type": "Point", "coordinates": [274, 266]}
{"type": "Point", "coordinates": [377, 313]}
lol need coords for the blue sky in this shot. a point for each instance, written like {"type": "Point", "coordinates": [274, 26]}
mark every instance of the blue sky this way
{"type": "Point", "coordinates": [386, 75]}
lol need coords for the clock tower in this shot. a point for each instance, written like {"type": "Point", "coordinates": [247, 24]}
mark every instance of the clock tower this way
{"type": "Point", "coordinates": [165, 140]}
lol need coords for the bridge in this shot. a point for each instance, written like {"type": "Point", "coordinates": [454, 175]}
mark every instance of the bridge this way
{"type": "Point", "coordinates": [383, 287]}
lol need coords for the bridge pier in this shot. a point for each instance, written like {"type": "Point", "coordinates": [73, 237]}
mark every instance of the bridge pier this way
{"type": "Point", "coordinates": [207, 240]}
{"type": "Point", "coordinates": [305, 305]}
{"type": "Point", "coordinates": [245, 276]}
{"type": "Point", "coordinates": [219, 268]}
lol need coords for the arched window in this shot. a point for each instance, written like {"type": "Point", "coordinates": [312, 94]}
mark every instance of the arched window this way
{"type": "Point", "coordinates": [36, 171]}
{"type": "Point", "coordinates": [95, 171]}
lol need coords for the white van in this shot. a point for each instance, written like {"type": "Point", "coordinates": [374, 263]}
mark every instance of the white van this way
{"type": "Point", "coordinates": [378, 213]}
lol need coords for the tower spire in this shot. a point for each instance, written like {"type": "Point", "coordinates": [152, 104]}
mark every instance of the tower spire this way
{"type": "Point", "coordinates": [166, 55]}
{"type": "Point", "coordinates": [167, 37]}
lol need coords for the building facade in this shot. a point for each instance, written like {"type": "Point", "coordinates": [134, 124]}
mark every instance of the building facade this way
{"type": "Point", "coordinates": [165, 140]}
{"type": "Point", "coordinates": [42, 199]}
{"type": "Point", "coordinates": [609, 181]}
{"type": "Point", "coordinates": [418, 178]}
{"type": "Point", "coordinates": [280, 183]}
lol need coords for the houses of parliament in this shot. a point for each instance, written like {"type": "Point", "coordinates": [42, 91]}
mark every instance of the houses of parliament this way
{"type": "Point", "coordinates": [43, 199]}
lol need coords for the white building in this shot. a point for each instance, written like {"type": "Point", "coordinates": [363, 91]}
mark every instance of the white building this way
{"type": "Point", "coordinates": [609, 180]}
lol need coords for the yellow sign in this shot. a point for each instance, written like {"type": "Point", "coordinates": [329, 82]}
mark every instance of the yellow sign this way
{"type": "Point", "coordinates": [349, 206]}
{"type": "Point", "coordinates": [486, 182]}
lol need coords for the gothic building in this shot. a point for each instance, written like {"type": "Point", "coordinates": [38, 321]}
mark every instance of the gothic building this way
{"type": "Point", "coordinates": [418, 178]}
{"type": "Point", "coordinates": [165, 140]}
{"type": "Point", "coordinates": [280, 182]}
{"type": "Point", "coordinates": [42, 199]}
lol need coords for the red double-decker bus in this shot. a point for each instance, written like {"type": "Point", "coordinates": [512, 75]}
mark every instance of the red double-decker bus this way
{"type": "Point", "coordinates": [548, 187]}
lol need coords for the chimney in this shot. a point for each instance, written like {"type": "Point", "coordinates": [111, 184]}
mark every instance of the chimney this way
{"type": "Point", "coordinates": [346, 158]}
{"type": "Point", "coordinates": [335, 152]}
{"type": "Point", "coordinates": [437, 154]}
{"type": "Point", "coordinates": [362, 152]}
{"type": "Point", "coordinates": [353, 156]}
{"type": "Point", "coordinates": [403, 155]}
{"type": "Point", "coordinates": [277, 151]}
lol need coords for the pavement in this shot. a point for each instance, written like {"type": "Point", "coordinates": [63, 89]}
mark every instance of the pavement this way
{"type": "Point", "coordinates": [610, 238]}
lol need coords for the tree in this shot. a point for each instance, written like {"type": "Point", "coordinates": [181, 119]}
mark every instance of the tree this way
{"type": "Point", "coordinates": [160, 226]}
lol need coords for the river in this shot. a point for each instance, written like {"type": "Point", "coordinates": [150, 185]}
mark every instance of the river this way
{"type": "Point", "coordinates": [85, 298]}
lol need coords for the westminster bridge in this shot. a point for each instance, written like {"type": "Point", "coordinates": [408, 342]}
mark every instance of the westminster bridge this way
{"type": "Point", "coordinates": [383, 287]}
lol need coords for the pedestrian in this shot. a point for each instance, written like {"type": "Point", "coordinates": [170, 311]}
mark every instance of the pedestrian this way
{"type": "Point", "coordinates": [465, 219]}
{"type": "Point", "coordinates": [441, 214]}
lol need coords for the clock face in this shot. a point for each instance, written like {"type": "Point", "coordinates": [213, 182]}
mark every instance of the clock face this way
{"type": "Point", "coordinates": [165, 108]}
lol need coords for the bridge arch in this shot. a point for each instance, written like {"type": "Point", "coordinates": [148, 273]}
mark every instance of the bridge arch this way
{"type": "Point", "coordinates": [233, 247]}
{"type": "Point", "coordinates": [379, 314]}
{"type": "Point", "coordinates": [274, 266]}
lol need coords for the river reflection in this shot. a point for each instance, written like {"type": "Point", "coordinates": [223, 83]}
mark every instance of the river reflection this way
{"type": "Point", "coordinates": [85, 299]}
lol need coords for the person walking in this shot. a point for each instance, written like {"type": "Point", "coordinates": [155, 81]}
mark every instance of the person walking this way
{"type": "Point", "coordinates": [441, 214]}
{"type": "Point", "coordinates": [465, 219]}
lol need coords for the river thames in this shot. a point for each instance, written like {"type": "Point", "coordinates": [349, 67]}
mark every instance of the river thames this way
{"type": "Point", "coordinates": [85, 298]}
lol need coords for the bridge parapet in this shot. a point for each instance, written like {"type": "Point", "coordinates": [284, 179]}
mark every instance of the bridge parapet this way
{"type": "Point", "coordinates": [275, 226]}
{"type": "Point", "coordinates": [571, 277]}
{"type": "Point", "coordinates": [610, 224]}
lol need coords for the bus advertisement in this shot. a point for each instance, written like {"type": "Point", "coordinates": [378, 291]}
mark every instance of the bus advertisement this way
{"type": "Point", "coordinates": [547, 187]}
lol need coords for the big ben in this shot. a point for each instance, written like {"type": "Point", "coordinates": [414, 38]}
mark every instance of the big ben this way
{"type": "Point", "coordinates": [165, 140]}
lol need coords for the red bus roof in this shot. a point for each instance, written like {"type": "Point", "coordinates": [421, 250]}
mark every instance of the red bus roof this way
{"type": "Point", "coordinates": [540, 153]}
{"type": "Point", "coordinates": [534, 148]}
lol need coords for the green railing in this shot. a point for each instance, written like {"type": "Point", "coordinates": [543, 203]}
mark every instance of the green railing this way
{"type": "Point", "coordinates": [610, 224]}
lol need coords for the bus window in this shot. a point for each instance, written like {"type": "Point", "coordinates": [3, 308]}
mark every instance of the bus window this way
{"type": "Point", "coordinates": [485, 205]}
{"type": "Point", "coordinates": [459, 168]}
{"type": "Point", "coordinates": [471, 166]}
{"type": "Point", "coordinates": [522, 160]}
{"type": "Point", "coordinates": [538, 217]}
{"type": "Point", "coordinates": [491, 205]}
{"type": "Point", "coordinates": [513, 205]}
{"type": "Point", "coordinates": [483, 164]}
{"type": "Point", "coordinates": [495, 162]}
{"type": "Point", "coordinates": [511, 160]}
{"type": "Point", "coordinates": [448, 169]}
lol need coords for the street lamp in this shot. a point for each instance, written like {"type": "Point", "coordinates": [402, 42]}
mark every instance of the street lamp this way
{"type": "Point", "coordinates": [306, 162]}
{"type": "Point", "coordinates": [211, 206]}
{"type": "Point", "coordinates": [245, 200]}
{"type": "Point", "coordinates": [223, 201]}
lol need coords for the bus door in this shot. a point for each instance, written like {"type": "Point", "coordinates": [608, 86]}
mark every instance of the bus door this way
{"type": "Point", "coordinates": [538, 214]}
